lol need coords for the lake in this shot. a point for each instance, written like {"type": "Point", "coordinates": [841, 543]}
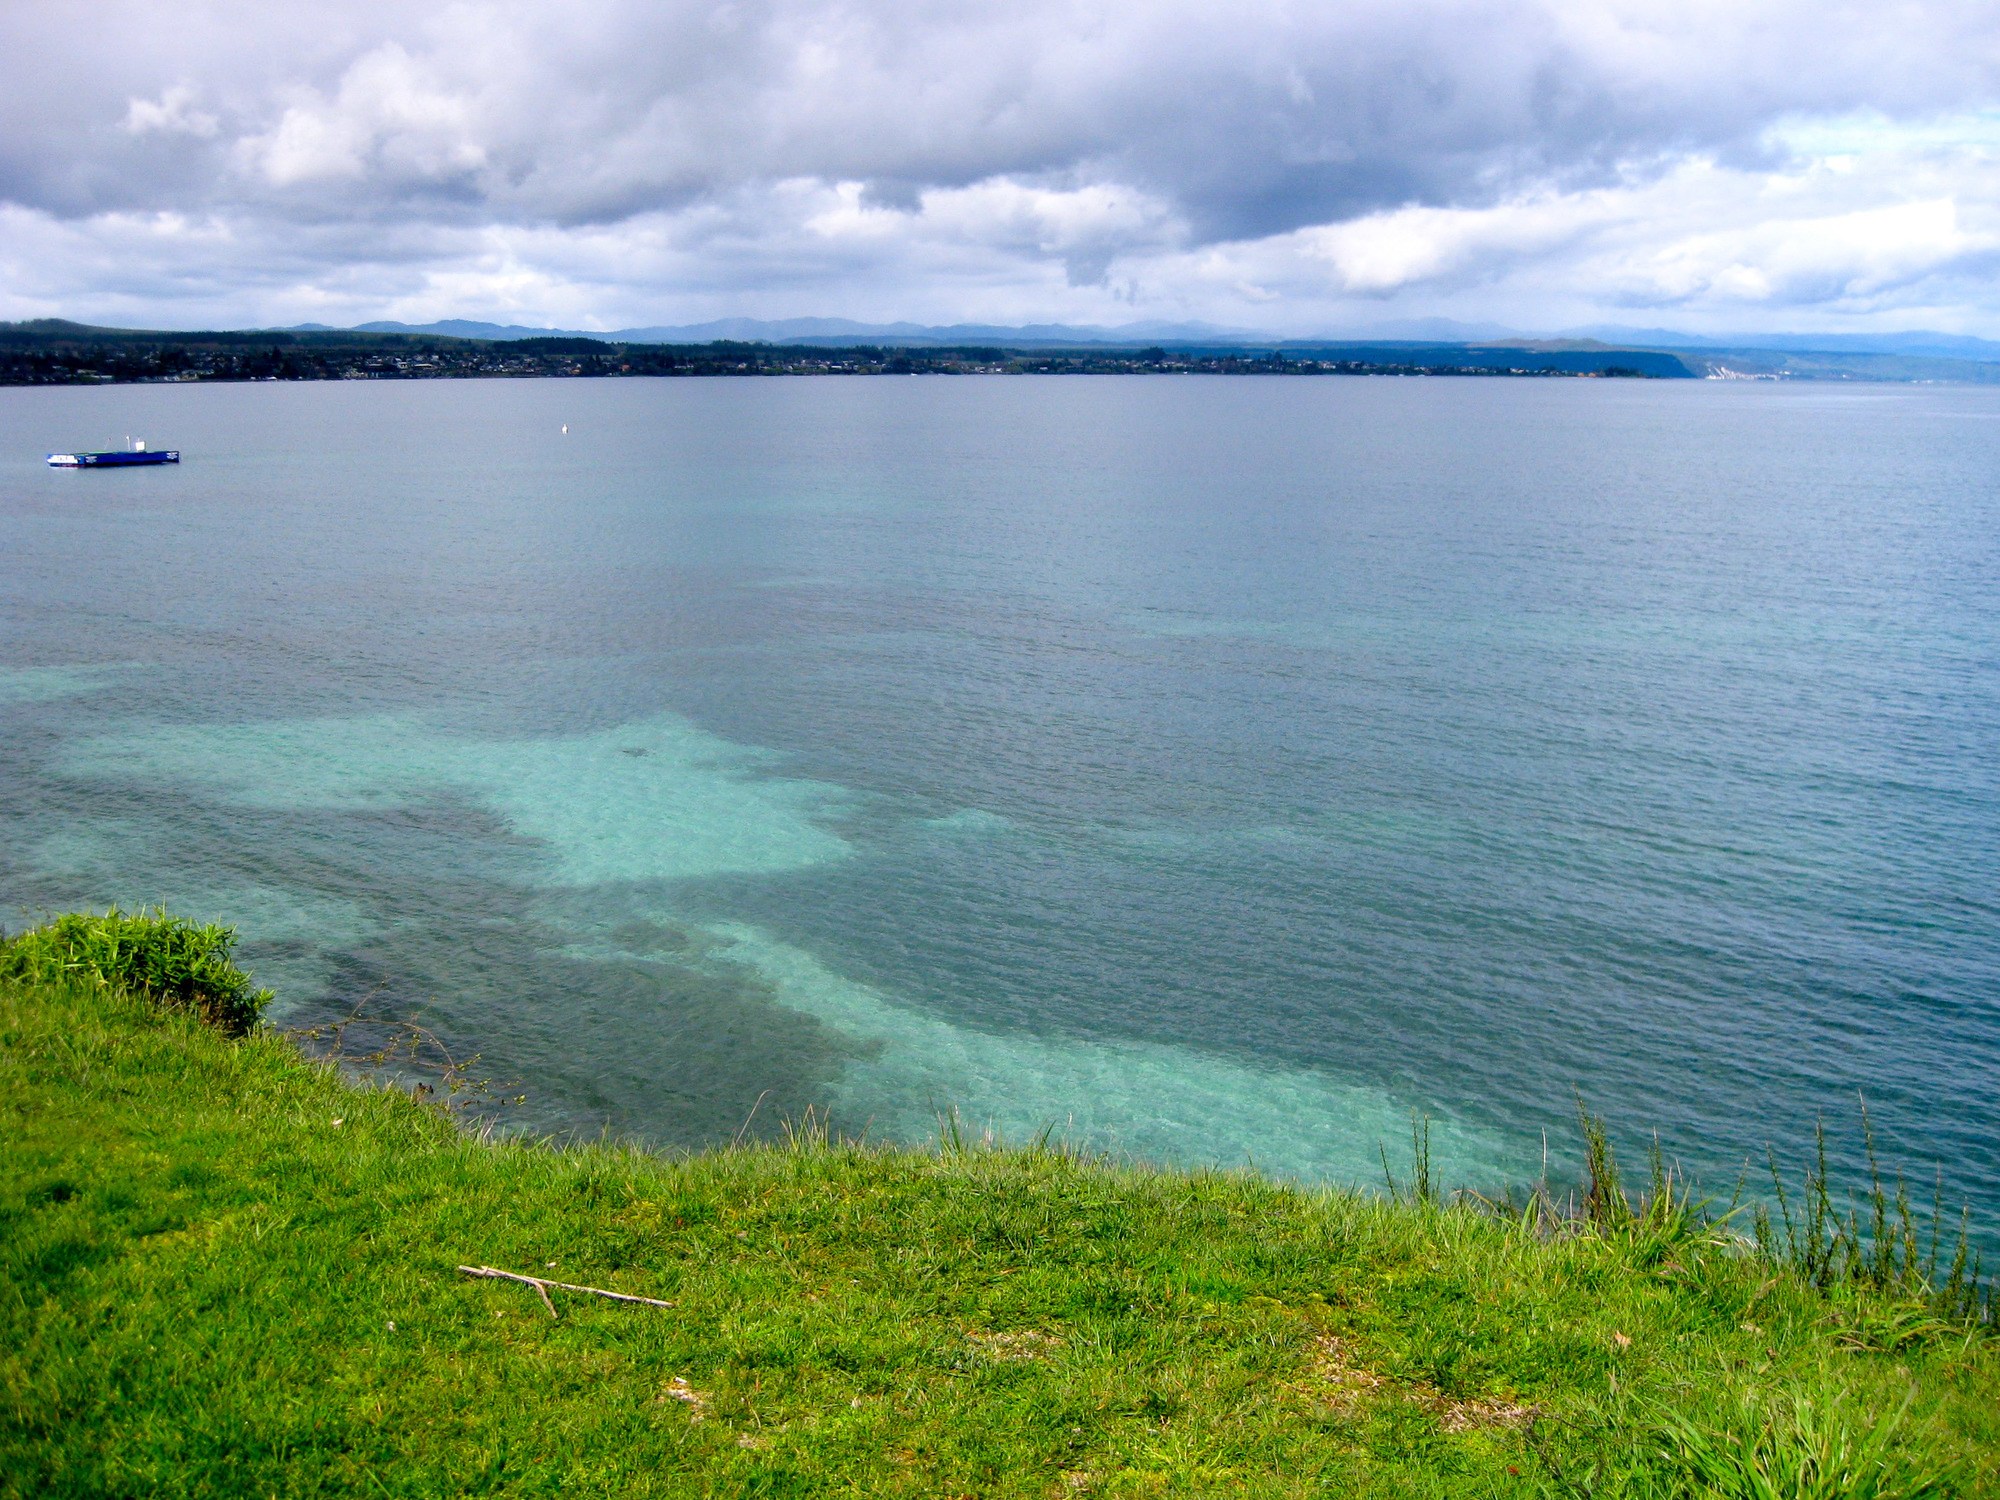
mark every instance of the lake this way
{"type": "Point", "coordinates": [1213, 770]}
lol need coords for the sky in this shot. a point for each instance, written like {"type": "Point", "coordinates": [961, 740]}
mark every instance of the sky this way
{"type": "Point", "coordinates": [1295, 168]}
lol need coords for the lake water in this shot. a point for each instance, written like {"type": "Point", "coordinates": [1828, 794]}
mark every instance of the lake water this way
{"type": "Point", "coordinates": [1215, 770]}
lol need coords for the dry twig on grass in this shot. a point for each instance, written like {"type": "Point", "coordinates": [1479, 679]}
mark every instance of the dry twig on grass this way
{"type": "Point", "coordinates": [541, 1284]}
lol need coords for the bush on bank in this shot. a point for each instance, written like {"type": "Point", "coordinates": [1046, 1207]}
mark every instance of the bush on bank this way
{"type": "Point", "coordinates": [164, 959]}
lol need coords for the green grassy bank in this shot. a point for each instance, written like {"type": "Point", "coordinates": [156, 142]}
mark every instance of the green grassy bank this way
{"type": "Point", "coordinates": [225, 1271]}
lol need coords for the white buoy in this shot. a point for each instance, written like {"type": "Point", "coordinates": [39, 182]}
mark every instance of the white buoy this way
{"type": "Point", "coordinates": [565, 429]}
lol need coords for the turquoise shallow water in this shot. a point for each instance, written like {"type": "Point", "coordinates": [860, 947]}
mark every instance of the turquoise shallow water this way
{"type": "Point", "coordinates": [1214, 770]}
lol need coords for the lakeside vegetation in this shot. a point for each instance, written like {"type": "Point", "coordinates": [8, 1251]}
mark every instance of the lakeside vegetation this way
{"type": "Point", "coordinates": [228, 1269]}
{"type": "Point", "coordinates": [51, 352]}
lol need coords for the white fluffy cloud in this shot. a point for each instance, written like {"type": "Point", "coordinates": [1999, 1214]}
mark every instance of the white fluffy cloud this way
{"type": "Point", "coordinates": [1289, 165]}
{"type": "Point", "coordinates": [1889, 230]}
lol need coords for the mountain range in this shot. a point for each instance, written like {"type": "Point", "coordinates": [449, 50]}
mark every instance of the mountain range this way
{"type": "Point", "coordinates": [1916, 343]}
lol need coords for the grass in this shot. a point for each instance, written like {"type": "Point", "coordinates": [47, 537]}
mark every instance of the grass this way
{"type": "Point", "coordinates": [224, 1270]}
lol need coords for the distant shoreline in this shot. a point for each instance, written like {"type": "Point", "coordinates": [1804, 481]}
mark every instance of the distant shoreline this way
{"type": "Point", "coordinates": [106, 357]}
{"type": "Point", "coordinates": [53, 351]}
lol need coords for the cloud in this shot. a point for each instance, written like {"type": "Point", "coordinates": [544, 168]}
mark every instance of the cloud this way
{"type": "Point", "coordinates": [392, 119]}
{"type": "Point", "coordinates": [1058, 157]}
{"type": "Point", "coordinates": [1897, 230]}
{"type": "Point", "coordinates": [173, 113]}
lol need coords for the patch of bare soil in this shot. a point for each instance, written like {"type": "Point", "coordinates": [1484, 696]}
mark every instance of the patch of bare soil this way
{"type": "Point", "coordinates": [1336, 1377]}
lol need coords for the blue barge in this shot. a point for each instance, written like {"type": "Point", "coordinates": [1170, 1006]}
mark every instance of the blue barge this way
{"type": "Point", "coordinates": [114, 460]}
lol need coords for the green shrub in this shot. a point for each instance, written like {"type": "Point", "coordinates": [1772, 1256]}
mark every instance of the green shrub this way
{"type": "Point", "coordinates": [164, 959]}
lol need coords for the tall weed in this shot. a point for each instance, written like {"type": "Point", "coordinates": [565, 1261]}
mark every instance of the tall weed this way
{"type": "Point", "coordinates": [1797, 1449]}
{"type": "Point", "coordinates": [1875, 1253]}
{"type": "Point", "coordinates": [1898, 1249]}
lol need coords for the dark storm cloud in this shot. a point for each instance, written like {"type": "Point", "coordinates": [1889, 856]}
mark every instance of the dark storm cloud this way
{"type": "Point", "coordinates": [1247, 118]}
{"type": "Point", "coordinates": [607, 162]}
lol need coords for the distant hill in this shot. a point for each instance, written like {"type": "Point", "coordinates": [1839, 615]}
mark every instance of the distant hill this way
{"type": "Point", "coordinates": [1014, 336]}
{"type": "Point", "coordinates": [844, 331]}
{"type": "Point", "coordinates": [1426, 331]}
{"type": "Point", "coordinates": [455, 328]}
{"type": "Point", "coordinates": [1915, 343]}
{"type": "Point", "coordinates": [1924, 346]}
{"type": "Point", "coordinates": [1912, 343]}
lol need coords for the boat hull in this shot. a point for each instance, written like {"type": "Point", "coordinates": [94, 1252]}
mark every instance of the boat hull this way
{"type": "Point", "coordinates": [113, 460]}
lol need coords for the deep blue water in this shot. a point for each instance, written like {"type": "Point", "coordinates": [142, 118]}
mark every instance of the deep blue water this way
{"type": "Point", "coordinates": [1217, 769]}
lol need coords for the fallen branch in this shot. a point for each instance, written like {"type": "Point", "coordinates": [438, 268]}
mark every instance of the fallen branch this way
{"type": "Point", "coordinates": [541, 1284]}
